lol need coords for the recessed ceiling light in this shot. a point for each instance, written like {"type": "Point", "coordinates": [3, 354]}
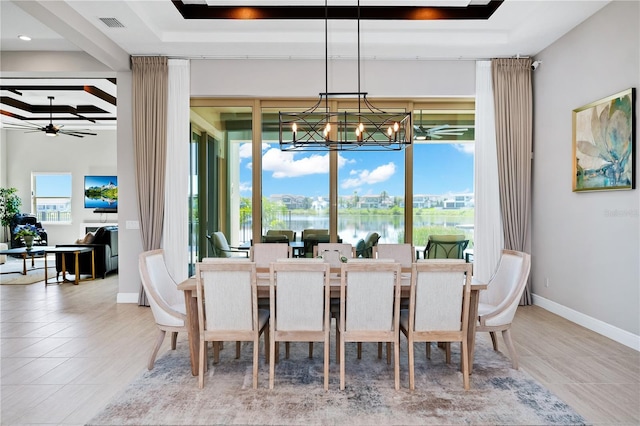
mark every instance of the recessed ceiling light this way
{"type": "Point", "coordinates": [24, 37]}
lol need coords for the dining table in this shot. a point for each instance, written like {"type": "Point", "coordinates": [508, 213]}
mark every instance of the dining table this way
{"type": "Point", "coordinates": [188, 286]}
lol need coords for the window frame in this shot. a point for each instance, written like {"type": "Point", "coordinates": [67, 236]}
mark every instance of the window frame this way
{"type": "Point", "coordinates": [34, 198]}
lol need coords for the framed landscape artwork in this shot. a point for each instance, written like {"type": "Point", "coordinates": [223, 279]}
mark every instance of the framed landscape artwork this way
{"type": "Point", "coordinates": [604, 144]}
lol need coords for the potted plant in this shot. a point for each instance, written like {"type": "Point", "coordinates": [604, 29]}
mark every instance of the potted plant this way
{"type": "Point", "coordinates": [27, 233]}
{"type": "Point", "coordinates": [10, 204]}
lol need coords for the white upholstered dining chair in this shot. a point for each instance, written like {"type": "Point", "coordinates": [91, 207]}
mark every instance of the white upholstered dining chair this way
{"type": "Point", "coordinates": [265, 253]}
{"type": "Point", "coordinates": [299, 297]}
{"type": "Point", "coordinates": [332, 254]}
{"type": "Point", "coordinates": [228, 308]}
{"type": "Point", "coordinates": [370, 307]}
{"type": "Point", "coordinates": [166, 301]}
{"type": "Point", "coordinates": [499, 302]}
{"type": "Point", "coordinates": [438, 309]}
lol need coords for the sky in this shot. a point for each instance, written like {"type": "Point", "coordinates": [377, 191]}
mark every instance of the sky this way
{"type": "Point", "coordinates": [438, 169]}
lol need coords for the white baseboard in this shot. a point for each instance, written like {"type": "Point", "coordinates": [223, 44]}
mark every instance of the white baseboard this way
{"type": "Point", "coordinates": [614, 333]}
{"type": "Point", "coordinates": [127, 298]}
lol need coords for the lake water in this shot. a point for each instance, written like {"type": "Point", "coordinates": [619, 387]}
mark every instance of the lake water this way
{"type": "Point", "coordinates": [353, 228]}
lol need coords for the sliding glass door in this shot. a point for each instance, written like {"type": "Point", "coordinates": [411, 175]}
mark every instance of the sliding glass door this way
{"type": "Point", "coordinates": [245, 186]}
{"type": "Point", "coordinates": [222, 174]}
{"type": "Point", "coordinates": [443, 171]}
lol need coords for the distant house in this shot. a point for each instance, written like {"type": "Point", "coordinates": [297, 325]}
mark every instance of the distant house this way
{"type": "Point", "coordinates": [292, 202]}
{"type": "Point", "coordinates": [458, 201]}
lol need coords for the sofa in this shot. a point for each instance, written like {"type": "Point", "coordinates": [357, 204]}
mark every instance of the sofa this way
{"type": "Point", "coordinates": [105, 248]}
{"type": "Point", "coordinates": [27, 219]}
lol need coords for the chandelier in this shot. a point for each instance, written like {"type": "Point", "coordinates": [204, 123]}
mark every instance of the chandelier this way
{"type": "Point", "coordinates": [320, 129]}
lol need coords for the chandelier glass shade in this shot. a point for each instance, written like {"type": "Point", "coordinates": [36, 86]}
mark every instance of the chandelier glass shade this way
{"type": "Point", "coordinates": [365, 128]}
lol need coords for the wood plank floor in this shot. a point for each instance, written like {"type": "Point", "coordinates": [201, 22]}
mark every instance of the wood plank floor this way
{"type": "Point", "coordinates": [67, 350]}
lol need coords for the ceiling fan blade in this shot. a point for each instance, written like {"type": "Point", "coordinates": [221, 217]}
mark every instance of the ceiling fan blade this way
{"type": "Point", "coordinates": [78, 133]}
{"type": "Point", "coordinates": [22, 126]}
{"type": "Point", "coordinates": [451, 131]}
{"type": "Point", "coordinates": [437, 128]}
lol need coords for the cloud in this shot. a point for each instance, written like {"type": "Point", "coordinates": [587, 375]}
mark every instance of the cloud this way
{"type": "Point", "coordinates": [466, 148]}
{"type": "Point", "coordinates": [245, 150]}
{"type": "Point", "coordinates": [245, 187]}
{"type": "Point", "coordinates": [366, 177]}
{"type": "Point", "coordinates": [285, 164]}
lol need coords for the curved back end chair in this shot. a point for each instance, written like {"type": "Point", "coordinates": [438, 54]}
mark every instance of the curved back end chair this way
{"type": "Point", "coordinates": [498, 303]}
{"type": "Point", "coordinates": [166, 301]}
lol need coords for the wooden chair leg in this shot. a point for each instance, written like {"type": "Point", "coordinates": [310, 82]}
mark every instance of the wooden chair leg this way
{"type": "Point", "coordinates": [359, 350]}
{"type": "Point", "coordinates": [238, 346]}
{"type": "Point", "coordinates": [310, 349]}
{"type": "Point", "coordinates": [273, 356]}
{"type": "Point", "coordinates": [337, 345]}
{"type": "Point", "coordinates": [202, 360]}
{"type": "Point", "coordinates": [506, 335]}
{"type": "Point", "coordinates": [256, 350]}
{"type": "Point", "coordinates": [494, 340]}
{"type": "Point", "coordinates": [174, 340]}
{"type": "Point", "coordinates": [156, 348]}
{"type": "Point", "coordinates": [428, 349]}
{"type": "Point", "coordinates": [216, 352]}
{"type": "Point", "coordinates": [464, 357]}
{"type": "Point", "coordinates": [342, 362]}
{"type": "Point", "coordinates": [389, 353]}
{"type": "Point", "coordinates": [286, 350]}
{"type": "Point", "coordinates": [411, 365]}
{"type": "Point", "coordinates": [447, 352]}
{"type": "Point", "coordinates": [267, 343]}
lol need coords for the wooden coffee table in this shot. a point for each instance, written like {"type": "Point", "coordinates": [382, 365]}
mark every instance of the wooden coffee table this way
{"type": "Point", "coordinates": [35, 251]}
{"type": "Point", "coordinates": [76, 251]}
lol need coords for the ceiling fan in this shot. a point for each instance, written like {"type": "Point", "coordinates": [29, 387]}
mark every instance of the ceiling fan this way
{"type": "Point", "coordinates": [425, 133]}
{"type": "Point", "coordinates": [438, 132]}
{"type": "Point", "coordinates": [52, 130]}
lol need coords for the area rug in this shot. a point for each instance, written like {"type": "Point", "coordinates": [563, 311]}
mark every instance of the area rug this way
{"type": "Point", "coordinates": [499, 395]}
{"type": "Point", "coordinates": [11, 271]}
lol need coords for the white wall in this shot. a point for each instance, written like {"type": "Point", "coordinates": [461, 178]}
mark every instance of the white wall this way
{"type": "Point", "coordinates": [586, 244]}
{"type": "Point", "coordinates": [24, 153]}
{"type": "Point", "coordinates": [306, 78]}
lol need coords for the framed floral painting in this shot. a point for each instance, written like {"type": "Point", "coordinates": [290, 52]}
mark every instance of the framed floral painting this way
{"type": "Point", "coordinates": [604, 143]}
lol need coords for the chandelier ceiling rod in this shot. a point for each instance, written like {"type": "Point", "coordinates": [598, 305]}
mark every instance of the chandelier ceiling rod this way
{"type": "Point", "coordinates": [317, 130]}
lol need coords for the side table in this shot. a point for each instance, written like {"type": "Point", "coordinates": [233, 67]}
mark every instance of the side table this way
{"type": "Point", "coordinates": [76, 251]}
{"type": "Point", "coordinates": [35, 251]}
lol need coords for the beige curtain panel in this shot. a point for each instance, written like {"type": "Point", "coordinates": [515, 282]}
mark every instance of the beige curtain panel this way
{"type": "Point", "coordinates": [150, 89]}
{"type": "Point", "coordinates": [513, 101]}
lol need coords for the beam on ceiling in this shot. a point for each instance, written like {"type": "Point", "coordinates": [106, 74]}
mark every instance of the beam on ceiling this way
{"type": "Point", "coordinates": [203, 11]}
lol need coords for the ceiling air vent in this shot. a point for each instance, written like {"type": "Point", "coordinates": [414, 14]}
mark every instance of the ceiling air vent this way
{"type": "Point", "coordinates": [112, 22]}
